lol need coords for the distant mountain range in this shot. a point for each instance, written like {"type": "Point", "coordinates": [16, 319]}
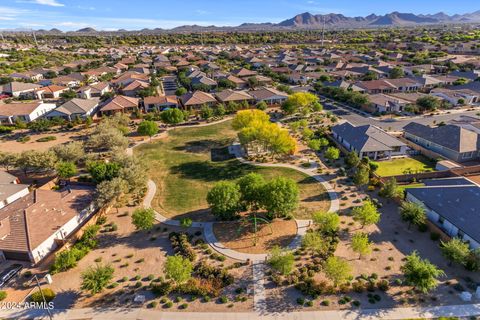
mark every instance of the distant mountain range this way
{"type": "Point", "coordinates": [308, 21]}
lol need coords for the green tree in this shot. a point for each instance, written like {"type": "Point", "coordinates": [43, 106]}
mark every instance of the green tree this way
{"type": "Point", "coordinates": [280, 197]}
{"type": "Point", "coordinates": [102, 171]}
{"type": "Point", "coordinates": [8, 160]}
{"type": "Point", "coordinates": [206, 112]}
{"type": "Point", "coordinates": [332, 153]}
{"type": "Point", "coordinates": [455, 250]}
{"type": "Point", "coordinates": [95, 279]}
{"type": "Point", "coordinates": [251, 187]}
{"type": "Point", "coordinates": [390, 189]}
{"type": "Point", "coordinates": [68, 95]}
{"type": "Point", "coordinates": [413, 213]}
{"type": "Point", "coordinates": [327, 222]}
{"type": "Point", "coordinates": [421, 273]}
{"type": "Point", "coordinates": [172, 116]}
{"type": "Point", "coordinates": [224, 200]}
{"type": "Point", "coordinates": [180, 91]}
{"type": "Point", "coordinates": [396, 73]}
{"type": "Point", "coordinates": [361, 176]}
{"type": "Point", "coordinates": [367, 214]}
{"type": "Point", "coordinates": [281, 260]}
{"type": "Point", "coordinates": [147, 128]}
{"type": "Point", "coordinates": [352, 160]}
{"type": "Point", "coordinates": [337, 270]}
{"type": "Point", "coordinates": [143, 219]}
{"type": "Point", "coordinates": [361, 244]}
{"type": "Point", "coordinates": [315, 241]}
{"type": "Point", "coordinates": [220, 110]}
{"type": "Point", "coordinates": [70, 152]}
{"type": "Point", "coordinates": [178, 269]}
{"type": "Point", "coordinates": [428, 103]}
{"type": "Point", "coordinates": [111, 192]}
{"type": "Point", "coordinates": [262, 105]}
{"type": "Point", "coordinates": [66, 169]}
{"type": "Point", "coordinates": [300, 102]}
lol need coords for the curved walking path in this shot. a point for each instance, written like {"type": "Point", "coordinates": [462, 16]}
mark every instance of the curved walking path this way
{"type": "Point", "coordinates": [258, 266]}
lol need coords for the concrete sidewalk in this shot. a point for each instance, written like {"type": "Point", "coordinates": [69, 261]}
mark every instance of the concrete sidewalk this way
{"type": "Point", "coordinates": [145, 314]}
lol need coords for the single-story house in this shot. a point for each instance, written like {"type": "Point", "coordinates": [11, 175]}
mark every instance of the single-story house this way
{"type": "Point", "coordinates": [229, 95]}
{"type": "Point", "coordinates": [75, 108]}
{"type": "Point", "coordinates": [452, 204]}
{"type": "Point", "coordinates": [50, 92]}
{"type": "Point", "coordinates": [384, 103]}
{"type": "Point", "coordinates": [121, 104]}
{"type": "Point", "coordinates": [19, 89]}
{"type": "Point", "coordinates": [368, 141]}
{"type": "Point", "coordinates": [197, 99]}
{"type": "Point", "coordinates": [160, 103]}
{"type": "Point", "coordinates": [95, 90]}
{"type": "Point", "coordinates": [134, 87]}
{"type": "Point", "coordinates": [36, 224]}
{"type": "Point", "coordinates": [26, 112]}
{"type": "Point", "coordinates": [270, 95]}
{"type": "Point", "coordinates": [451, 141]}
{"type": "Point", "coordinates": [456, 97]}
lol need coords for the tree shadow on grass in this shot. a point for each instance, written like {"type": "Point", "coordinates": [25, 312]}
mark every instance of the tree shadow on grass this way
{"type": "Point", "coordinates": [203, 146]}
{"type": "Point", "coordinates": [208, 171]}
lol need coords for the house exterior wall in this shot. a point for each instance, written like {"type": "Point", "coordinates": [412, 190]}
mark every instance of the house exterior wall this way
{"type": "Point", "coordinates": [50, 244]}
{"type": "Point", "coordinates": [41, 110]}
{"type": "Point", "coordinates": [446, 226]}
{"type": "Point", "coordinates": [450, 154]}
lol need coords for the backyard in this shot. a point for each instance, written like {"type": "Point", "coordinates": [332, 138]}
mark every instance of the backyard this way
{"type": "Point", "coordinates": [414, 164]}
{"type": "Point", "coordinates": [181, 167]}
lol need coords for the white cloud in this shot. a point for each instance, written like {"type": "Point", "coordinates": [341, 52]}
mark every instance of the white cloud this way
{"type": "Point", "coordinates": [51, 3]}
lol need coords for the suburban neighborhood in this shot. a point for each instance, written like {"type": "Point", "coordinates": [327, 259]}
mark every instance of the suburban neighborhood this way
{"type": "Point", "coordinates": [320, 167]}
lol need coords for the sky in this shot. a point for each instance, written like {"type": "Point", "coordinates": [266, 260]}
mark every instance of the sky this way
{"type": "Point", "coordinates": [138, 14]}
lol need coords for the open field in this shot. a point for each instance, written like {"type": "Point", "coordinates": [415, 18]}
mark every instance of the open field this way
{"type": "Point", "coordinates": [182, 168]}
{"type": "Point", "coordinates": [403, 165]}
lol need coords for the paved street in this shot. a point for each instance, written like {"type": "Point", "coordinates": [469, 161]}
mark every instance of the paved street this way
{"type": "Point", "coordinates": [394, 124]}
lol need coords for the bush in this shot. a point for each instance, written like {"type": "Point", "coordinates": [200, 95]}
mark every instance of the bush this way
{"type": "Point", "coordinates": [383, 285]}
{"type": "Point", "coordinates": [182, 246]}
{"type": "Point", "coordinates": [47, 293]}
{"type": "Point", "coordinates": [183, 306]}
{"type": "Point", "coordinates": [162, 288]}
{"type": "Point", "coordinates": [223, 299]}
{"type": "Point", "coordinates": [169, 304]}
{"type": "Point", "coordinates": [47, 138]}
{"type": "Point", "coordinates": [301, 301]}
{"type": "Point", "coordinates": [3, 295]}
{"type": "Point", "coordinates": [325, 303]}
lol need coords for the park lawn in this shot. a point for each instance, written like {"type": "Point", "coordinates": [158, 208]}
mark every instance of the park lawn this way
{"type": "Point", "coordinates": [182, 169]}
{"type": "Point", "coordinates": [402, 165]}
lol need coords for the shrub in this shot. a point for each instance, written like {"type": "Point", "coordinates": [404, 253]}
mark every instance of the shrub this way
{"type": "Point", "coordinates": [182, 246]}
{"type": "Point", "coordinates": [169, 304]}
{"type": "Point", "coordinates": [301, 301]}
{"type": "Point", "coordinates": [183, 306]}
{"type": "Point", "coordinates": [47, 293]}
{"type": "Point", "coordinates": [325, 303]}
{"type": "Point", "coordinates": [223, 299]}
{"type": "Point", "coordinates": [162, 288]}
{"type": "Point", "coordinates": [383, 285]}
{"type": "Point", "coordinates": [3, 295]}
{"type": "Point", "coordinates": [47, 138]}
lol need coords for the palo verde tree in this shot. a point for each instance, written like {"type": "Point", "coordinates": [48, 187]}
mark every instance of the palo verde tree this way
{"type": "Point", "coordinates": [281, 260]}
{"type": "Point", "coordinates": [337, 270]}
{"type": "Point", "coordinates": [390, 189]}
{"type": "Point", "coordinates": [327, 222]}
{"type": "Point", "coordinates": [172, 116]}
{"type": "Point", "coordinates": [367, 214]}
{"type": "Point", "coordinates": [421, 273]}
{"type": "Point", "coordinates": [178, 269]}
{"type": "Point", "coordinates": [361, 244]}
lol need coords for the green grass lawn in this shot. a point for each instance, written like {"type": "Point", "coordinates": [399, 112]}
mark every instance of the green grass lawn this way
{"type": "Point", "coordinates": [402, 165]}
{"type": "Point", "coordinates": [181, 167]}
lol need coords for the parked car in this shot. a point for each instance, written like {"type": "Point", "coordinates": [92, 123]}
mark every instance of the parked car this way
{"type": "Point", "coordinates": [4, 96]}
{"type": "Point", "coordinates": [9, 273]}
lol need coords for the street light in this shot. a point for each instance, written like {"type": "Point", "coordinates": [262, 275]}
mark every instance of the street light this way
{"type": "Point", "coordinates": [47, 277]}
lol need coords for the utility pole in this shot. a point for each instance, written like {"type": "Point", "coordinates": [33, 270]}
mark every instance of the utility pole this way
{"type": "Point", "coordinates": [35, 38]}
{"type": "Point", "coordinates": [323, 30]}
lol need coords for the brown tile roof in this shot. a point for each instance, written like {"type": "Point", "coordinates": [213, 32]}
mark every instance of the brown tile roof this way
{"type": "Point", "coordinates": [18, 109]}
{"type": "Point", "coordinates": [120, 103]}
{"type": "Point", "coordinates": [197, 98]}
{"type": "Point", "coordinates": [231, 95]}
{"type": "Point", "coordinates": [29, 221]}
{"type": "Point", "coordinates": [160, 100]}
